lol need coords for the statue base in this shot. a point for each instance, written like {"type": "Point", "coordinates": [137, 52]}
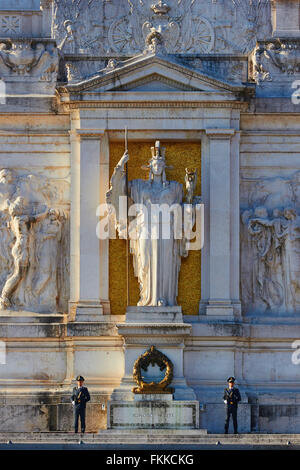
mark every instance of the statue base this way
{"type": "Point", "coordinates": [154, 314]}
{"type": "Point", "coordinates": [153, 411]}
{"type": "Point", "coordinates": [162, 327]}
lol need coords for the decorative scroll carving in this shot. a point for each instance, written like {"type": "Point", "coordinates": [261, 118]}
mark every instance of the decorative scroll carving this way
{"type": "Point", "coordinates": [153, 356]}
{"type": "Point", "coordinates": [33, 244]}
{"type": "Point", "coordinates": [271, 247]}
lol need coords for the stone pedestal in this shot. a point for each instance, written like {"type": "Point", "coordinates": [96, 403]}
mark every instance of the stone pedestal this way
{"type": "Point", "coordinates": [162, 327]}
{"type": "Point", "coordinates": [153, 411]}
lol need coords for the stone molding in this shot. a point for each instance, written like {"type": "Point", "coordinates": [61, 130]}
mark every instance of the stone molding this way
{"type": "Point", "coordinates": [183, 104]}
{"type": "Point", "coordinates": [134, 65]}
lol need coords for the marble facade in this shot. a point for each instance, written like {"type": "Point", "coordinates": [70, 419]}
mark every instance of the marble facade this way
{"type": "Point", "coordinates": [221, 73]}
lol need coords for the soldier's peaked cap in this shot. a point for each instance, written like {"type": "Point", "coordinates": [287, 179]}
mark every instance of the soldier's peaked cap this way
{"type": "Point", "coordinates": [231, 379]}
{"type": "Point", "coordinates": [79, 377]}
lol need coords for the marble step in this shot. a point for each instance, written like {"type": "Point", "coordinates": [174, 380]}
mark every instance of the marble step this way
{"type": "Point", "coordinates": [153, 437]}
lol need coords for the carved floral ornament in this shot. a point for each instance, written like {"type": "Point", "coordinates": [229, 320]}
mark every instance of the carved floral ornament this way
{"type": "Point", "coordinates": [153, 356]}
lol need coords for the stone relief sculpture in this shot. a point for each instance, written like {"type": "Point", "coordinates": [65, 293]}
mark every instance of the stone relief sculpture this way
{"type": "Point", "coordinates": [182, 29]}
{"type": "Point", "coordinates": [275, 58]}
{"type": "Point", "coordinates": [20, 57]}
{"type": "Point", "coordinates": [68, 43]}
{"type": "Point", "coordinates": [23, 58]}
{"type": "Point", "coordinates": [78, 26]}
{"type": "Point", "coordinates": [258, 70]}
{"type": "Point", "coordinates": [47, 67]}
{"type": "Point", "coordinates": [270, 252]}
{"type": "Point", "coordinates": [252, 15]}
{"type": "Point", "coordinates": [33, 243]}
{"type": "Point", "coordinates": [106, 28]}
{"type": "Point", "coordinates": [285, 55]}
{"type": "Point", "coordinates": [156, 259]}
{"type": "Point", "coordinates": [20, 226]}
{"type": "Point", "coordinates": [48, 239]}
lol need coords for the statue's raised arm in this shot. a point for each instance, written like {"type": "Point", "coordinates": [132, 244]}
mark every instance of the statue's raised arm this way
{"type": "Point", "coordinates": [118, 188]}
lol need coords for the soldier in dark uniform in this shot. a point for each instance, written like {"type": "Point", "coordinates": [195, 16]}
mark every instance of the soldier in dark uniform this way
{"type": "Point", "coordinates": [231, 398]}
{"type": "Point", "coordinates": [79, 399]}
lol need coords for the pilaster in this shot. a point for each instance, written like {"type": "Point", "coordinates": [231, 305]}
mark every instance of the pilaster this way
{"type": "Point", "coordinates": [220, 295]}
{"type": "Point", "coordinates": [87, 280]}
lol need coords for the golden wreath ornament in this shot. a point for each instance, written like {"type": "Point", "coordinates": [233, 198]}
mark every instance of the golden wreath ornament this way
{"type": "Point", "coordinates": [153, 356]}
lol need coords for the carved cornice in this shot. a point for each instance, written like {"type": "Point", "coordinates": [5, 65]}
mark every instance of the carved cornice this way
{"type": "Point", "coordinates": [243, 106]}
{"type": "Point", "coordinates": [216, 133]}
{"type": "Point", "coordinates": [132, 66]}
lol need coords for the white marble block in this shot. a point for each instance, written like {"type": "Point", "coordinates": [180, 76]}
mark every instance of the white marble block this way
{"type": "Point", "coordinates": [160, 412]}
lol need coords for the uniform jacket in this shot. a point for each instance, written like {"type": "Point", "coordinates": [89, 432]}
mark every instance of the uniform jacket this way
{"type": "Point", "coordinates": [80, 396]}
{"type": "Point", "coordinates": [232, 396]}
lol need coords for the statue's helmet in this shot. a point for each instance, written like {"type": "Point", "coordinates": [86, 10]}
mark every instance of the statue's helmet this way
{"type": "Point", "coordinates": [158, 152]}
{"type": "Point", "coordinates": [158, 156]}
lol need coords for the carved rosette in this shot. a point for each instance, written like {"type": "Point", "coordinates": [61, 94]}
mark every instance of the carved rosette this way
{"type": "Point", "coordinates": [153, 356]}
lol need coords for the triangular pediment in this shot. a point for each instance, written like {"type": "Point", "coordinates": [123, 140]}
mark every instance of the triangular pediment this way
{"type": "Point", "coordinates": [152, 73]}
{"type": "Point", "coordinates": [155, 82]}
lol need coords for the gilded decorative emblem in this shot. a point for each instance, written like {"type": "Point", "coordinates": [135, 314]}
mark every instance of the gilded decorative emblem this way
{"type": "Point", "coordinates": [153, 356]}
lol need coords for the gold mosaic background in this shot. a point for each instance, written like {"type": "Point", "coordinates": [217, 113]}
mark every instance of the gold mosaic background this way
{"type": "Point", "coordinates": [180, 155]}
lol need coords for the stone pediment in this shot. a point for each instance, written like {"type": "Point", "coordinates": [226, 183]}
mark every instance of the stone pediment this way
{"type": "Point", "coordinates": [155, 82]}
{"type": "Point", "coordinates": [153, 73]}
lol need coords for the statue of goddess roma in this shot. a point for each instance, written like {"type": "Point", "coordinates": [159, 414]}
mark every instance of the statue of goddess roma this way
{"type": "Point", "coordinates": [156, 259]}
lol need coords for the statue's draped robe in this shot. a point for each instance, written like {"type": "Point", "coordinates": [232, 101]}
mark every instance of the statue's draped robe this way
{"type": "Point", "coordinates": [156, 261]}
